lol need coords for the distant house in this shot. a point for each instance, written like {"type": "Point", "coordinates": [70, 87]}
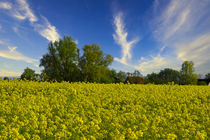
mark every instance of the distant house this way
{"type": "Point", "coordinates": [134, 80]}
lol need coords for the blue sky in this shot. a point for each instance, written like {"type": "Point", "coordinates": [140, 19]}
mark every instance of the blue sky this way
{"type": "Point", "coordinates": [147, 35]}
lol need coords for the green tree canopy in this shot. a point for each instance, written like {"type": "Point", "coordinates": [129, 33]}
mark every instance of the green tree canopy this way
{"type": "Point", "coordinates": [60, 63]}
{"type": "Point", "coordinates": [28, 74]}
{"type": "Point", "coordinates": [152, 78]}
{"type": "Point", "coordinates": [94, 63]}
{"type": "Point", "coordinates": [169, 75]}
{"type": "Point", "coordinates": [207, 76]}
{"type": "Point", "coordinates": [187, 73]}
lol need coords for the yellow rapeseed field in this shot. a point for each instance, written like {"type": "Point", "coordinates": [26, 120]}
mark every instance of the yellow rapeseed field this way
{"type": "Point", "coordinates": [43, 110]}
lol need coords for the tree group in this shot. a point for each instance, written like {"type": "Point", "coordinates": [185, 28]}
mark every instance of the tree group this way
{"type": "Point", "coordinates": [63, 62]}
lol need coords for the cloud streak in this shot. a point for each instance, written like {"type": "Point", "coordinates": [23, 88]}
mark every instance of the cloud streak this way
{"type": "Point", "coordinates": [22, 11]}
{"type": "Point", "coordinates": [5, 5]}
{"type": "Point", "coordinates": [9, 73]}
{"type": "Point", "coordinates": [46, 30]}
{"type": "Point", "coordinates": [120, 38]}
{"type": "Point", "coordinates": [184, 28]}
{"type": "Point", "coordinates": [12, 53]}
{"type": "Point", "coordinates": [181, 28]}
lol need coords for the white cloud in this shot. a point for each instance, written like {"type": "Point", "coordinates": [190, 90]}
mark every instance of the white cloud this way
{"type": "Point", "coordinates": [5, 5]}
{"type": "Point", "coordinates": [154, 64]}
{"type": "Point", "coordinates": [15, 29]}
{"type": "Point", "coordinates": [120, 38]}
{"type": "Point", "coordinates": [76, 41]}
{"type": "Point", "coordinates": [1, 42]}
{"type": "Point", "coordinates": [184, 27]}
{"type": "Point", "coordinates": [23, 12]}
{"type": "Point", "coordinates": [47, 30]}
{"type": "Point", "coordinates": [197, 50]}
{"type": "Point", "coordinates": [9, 73]}
{"type": "Point", "coordinates": [12, 49]}
{"type": "Point", "coordinates": [12, 53]}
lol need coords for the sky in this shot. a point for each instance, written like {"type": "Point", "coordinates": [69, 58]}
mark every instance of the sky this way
{"type": "Point", "coordinates": [144, 35]}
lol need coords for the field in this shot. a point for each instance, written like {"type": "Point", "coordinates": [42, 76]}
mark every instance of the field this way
{"type": "Point", "coordinates": [33, 110]}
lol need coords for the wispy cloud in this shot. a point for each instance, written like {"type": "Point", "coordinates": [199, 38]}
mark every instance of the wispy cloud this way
{"type": "Point", "coordinates": [15, 29]}
{"type": "Point", "coordinates": [47, 30]}
{"type": "Point", "coordinates": [12, 53]}
{"type": "Point", "coordinates": [183, 27]}
{"type": "Point", "coordinates": [197, 50]}
{"type": "Point", "coordinates": [1, 42]}
{"type": "Point", "coordinates": [0, 26]}
{"type": "Point", "coordinates": [22, 11]}
{"type": "Point", "coordinates": [5, 5]}
{"type": "Point", "coordinates": [153, 64]}
{"type": "Point", "coordinates": [9, 73]}
{"type": "Point", "coordinates": [120, 38]}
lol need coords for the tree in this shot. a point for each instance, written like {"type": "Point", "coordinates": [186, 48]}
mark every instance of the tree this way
{"type": "Point", "coordinates": [43, 76]}
{"type": "Point", "coordinates": [187, 73]}
{"type": "Point", "coordinates": [169, 75]}
{"type": "Point", "coordinates": [152, 78]}
{"type": "Point", "coordinates": [137, 73]}
{"type": "Point", "coordinates": [28, 74]}
{"type": "Point", "coordinates": [121, 77]}
{"type": "Point", "coordinates": [94, 64]}
{"type": "Point", "coordinates": [207, 76]}
{"type": "Point", "coordinates": [6, 78]}
{"type": "Point", "coordinates": [61, 61]}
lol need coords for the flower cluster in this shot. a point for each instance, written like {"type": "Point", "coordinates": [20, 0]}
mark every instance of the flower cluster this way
{"type": "Point", "coordinates": [42, 110]}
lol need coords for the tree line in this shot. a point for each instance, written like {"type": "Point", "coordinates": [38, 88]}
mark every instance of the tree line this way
{"type": "Point", "coordinates": [63, 62]}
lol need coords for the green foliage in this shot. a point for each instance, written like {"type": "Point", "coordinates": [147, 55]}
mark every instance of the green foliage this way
{"type": "Point", "coordinates": [207, 76]}
{"type": "Point", "coordinates": [94, 63]}
{"type": "Point", "coordinates": [44, 76]}
{"type": "Point", "coordinates": [29, 74]}
{"type": "Point", "coordinates": [6, 78]}
{"type": "Point", "coordinates": [42, 110]}
{"type": "Point", "coordinates": [188, 77]}
{"type": "Point", "coordinates": [121, 77]}
{"type": "Point", "coordinates": [60, 63]}
{"type": "Point", "coordinates": [202, 83]}
{"type": "Point", "coordinates": [169, 75]}
{"type": "Point", "coordinates": [153, 78]}
{"type": "Point", "coordinates": [164, 77]}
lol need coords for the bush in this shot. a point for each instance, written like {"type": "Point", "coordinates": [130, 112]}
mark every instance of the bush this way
{"type": "Point", "coordinates": [202, 83]}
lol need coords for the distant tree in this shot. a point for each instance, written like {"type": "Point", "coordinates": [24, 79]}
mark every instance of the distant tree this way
{"type": "Point", "coordinates": [202, 83]}
{"type": "Point", "coordinates": [121, 77]}
{"type": "Point", "coordinates": [187, 73]}
{"type": "Point", "coordinates": [137, 73]}
{"type": "Point", "coordinates": [169, 75]}
{"type": "Point", "coordinates": [94, 63]}
{"type": "Point", "coordinates": [207, 76]}
{"type": "Point", "coordinates": [6, 78]}
{"type": "Point", "coordinates": [61, 61]}
{"type": "Point", "coordinates": [43, 76]}
{"type": "Point", "coordinates": [109, 76]}
{"type": "Point", "coordinates": [152, 78]}
{"type": "Point", "coordinates": [129, 74]}
{"type": "Point", "coordinates": [28, 74]}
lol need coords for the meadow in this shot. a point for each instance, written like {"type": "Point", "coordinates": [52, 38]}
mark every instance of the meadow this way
{"type": "Point", "coordinates": [43, 110]}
